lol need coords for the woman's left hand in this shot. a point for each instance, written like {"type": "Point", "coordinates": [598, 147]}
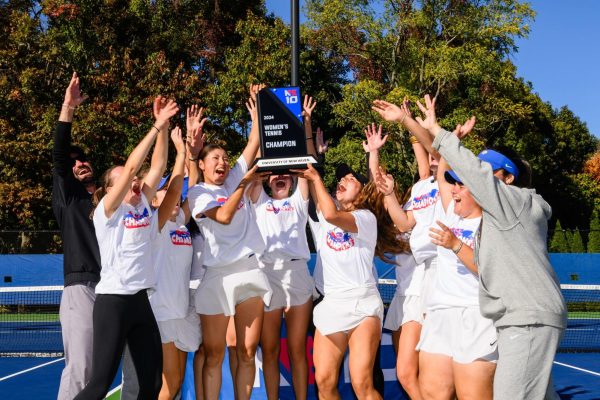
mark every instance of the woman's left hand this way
{"type": "Point", "coordinates": [444, 237]}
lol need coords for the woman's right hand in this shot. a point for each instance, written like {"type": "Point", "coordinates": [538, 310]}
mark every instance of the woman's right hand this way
{"type": "Point", "coordinates": [177, 140]}
{"type": "Point", "coordinates": [164, 109]}
{"type": "Point", "coordinates": [310, 173]}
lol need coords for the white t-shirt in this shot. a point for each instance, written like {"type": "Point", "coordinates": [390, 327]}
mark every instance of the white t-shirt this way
{"type": "Point", "coordinates": [225, 244]}
{"type": "Point", "coordinates": [346, 257]}
{"type": "Point", "coordinates": [125, 241]}
{"type": "Point", "coordinates": [173, 262]}
{"type": "Point", "coordinates": [405, 270]}
{"type": "Point", "coordinates": [455, 285]}
{"type": "Point", "coordinates": [282, 224]}
{"type": "Point", "coordinates": [426, 209]}
{"type": "Point", "coordinates": [198, 269]}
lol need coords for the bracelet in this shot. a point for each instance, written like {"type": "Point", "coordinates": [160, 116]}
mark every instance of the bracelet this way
{"type": "Point", "coordinates": [402, 119]}
{"type": "Point", "coordinates": [158, 130]}
{"type": "Point", "coordinates": [309, 138]}
{"type": "Point", "coordinates": [413, 139]}
{"type": "Point", "coordinates": [389, 194]}
{"type": "Point", "coordinates": [70, 107]}
{"type": "Point", "coordinates": [457, 250]}
{"type": "Point", "coordinates": [193, 159]}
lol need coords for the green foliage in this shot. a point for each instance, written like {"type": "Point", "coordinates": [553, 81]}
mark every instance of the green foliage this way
{"type": "Point", "coordinates": [593, 243]}
{"type": "Point", "coordinates": [576, 242]}
{"type": "Point", "coordinates": [559, 243]}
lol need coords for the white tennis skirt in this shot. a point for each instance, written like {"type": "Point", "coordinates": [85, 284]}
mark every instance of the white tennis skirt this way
{"type": "Point", "coordinates": [460, 333]}
{"type": "Point", "coordinates": [344, 311]}
{"type": "Point", "coordinates": [185, 332]}
{"type": "Point", "coordinates": [290, 282]}
{"type": "Point", "coordinates": [223, 288]}
{"type": "Point", "coordinates": [402, 310]}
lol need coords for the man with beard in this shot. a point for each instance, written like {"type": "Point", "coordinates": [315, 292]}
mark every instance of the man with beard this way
{"type": "Point", "coordinates": [73, 186]}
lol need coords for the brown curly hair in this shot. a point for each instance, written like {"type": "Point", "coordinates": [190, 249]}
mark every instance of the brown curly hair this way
{"type": "Point", "coordinates": [389, 239]}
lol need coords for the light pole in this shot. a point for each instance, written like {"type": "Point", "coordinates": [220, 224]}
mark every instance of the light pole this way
{"type": "Point", "coordinates": [295, 22]}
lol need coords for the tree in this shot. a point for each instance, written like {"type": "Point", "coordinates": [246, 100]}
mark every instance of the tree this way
{"type": "Point", "coordinates": [593, 244]}
{"type": "Point", "coordinates": [559, 243]}
{"type": "Point", "coordinates": [576, 242]}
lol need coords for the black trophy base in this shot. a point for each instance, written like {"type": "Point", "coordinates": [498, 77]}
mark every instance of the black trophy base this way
{"type": "Point", "coordinates": [283, 165]}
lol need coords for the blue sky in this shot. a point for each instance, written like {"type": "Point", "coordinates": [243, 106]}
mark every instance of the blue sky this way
{"type": "Point", "coordinates": [561, 56]}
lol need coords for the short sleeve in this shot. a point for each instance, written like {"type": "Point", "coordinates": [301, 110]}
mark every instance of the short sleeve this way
{"type": "Point", "coordinates": [367, 226]}
{"type": "Point", "coordinates": [236, 174]}
{"type": "Point", "coordinates": [101, 221]}
{"type": "Point", "coordinates": [299, 202]}
{"type": "Point", "coordinates": [262, 198]}
{"type": "Point", "coordinates": [201, 200]}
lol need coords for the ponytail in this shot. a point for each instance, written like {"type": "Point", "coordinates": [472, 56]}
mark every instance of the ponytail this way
{"type": "Point", "coordinates": [101, 191]}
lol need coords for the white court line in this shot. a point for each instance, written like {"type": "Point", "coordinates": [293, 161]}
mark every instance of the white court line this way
{"type": "Point", "coordinates": [30, 369]}
{"type": "Point", "coordinates": [113, 391]}
{"type": "Point", "coordinates": [577, 368]}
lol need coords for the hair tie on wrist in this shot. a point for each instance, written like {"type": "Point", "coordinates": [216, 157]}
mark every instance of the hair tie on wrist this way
{"type": "Point", "coordinates": [158, 130]}
{"type": "Point", "coordinates": [309, 138]}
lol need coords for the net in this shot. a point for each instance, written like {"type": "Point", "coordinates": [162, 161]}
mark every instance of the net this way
{"type": "Point", "coordinates": [29, 321]}
{"type": "Point", "coordinates": [583, 305]}
{"type": "Point", "coordinates": [30, 326]}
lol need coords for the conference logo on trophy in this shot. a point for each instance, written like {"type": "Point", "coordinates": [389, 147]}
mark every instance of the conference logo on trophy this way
{"type": "Point", "coordinates": [282, 138]}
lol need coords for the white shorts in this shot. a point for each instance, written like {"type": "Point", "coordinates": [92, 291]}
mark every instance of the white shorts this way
{"type": "Point", "coordinates": [402, 310]}
{"type": "Point", "coordinates": [342, 312]}
{"type": "Point", "coordinates": [290, 282]}
{"type": "Point", "coordinates": [460, 333]}
{"type": "Point", "coordinates": [223, 288]}
{"type": "Point", "coordinates": [184, 332]}
{"type": "Point", "coordinates": [429, 276]}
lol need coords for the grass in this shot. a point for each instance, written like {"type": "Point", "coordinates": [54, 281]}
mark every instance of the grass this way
{"type": "Point", "coordinates": [33, 317]}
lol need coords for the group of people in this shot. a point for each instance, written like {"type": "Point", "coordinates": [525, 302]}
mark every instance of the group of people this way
{"type": "Point", "coordinates": [215, 256]}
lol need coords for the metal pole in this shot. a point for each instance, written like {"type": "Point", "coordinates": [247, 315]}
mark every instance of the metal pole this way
{"type": "Point", "coordinates": [295, 22]}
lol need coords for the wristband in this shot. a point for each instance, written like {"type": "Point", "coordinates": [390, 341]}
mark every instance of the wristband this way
{"type": "Point", "coordinates": [309, 138]}
{"type": "Point", "coordinates": [457, 250]}
{"type": "Point", "coordinates": [70, 107]}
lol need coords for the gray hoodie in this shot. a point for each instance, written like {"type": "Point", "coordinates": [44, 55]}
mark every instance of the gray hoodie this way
{"type": "Point", "coordinates": [517, 284]}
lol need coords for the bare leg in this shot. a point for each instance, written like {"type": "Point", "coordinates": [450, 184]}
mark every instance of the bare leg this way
{"type": "Point", "coordinates": [436, 379]}
{"type": "Point", "coordinates": [328, 354]}
{"type": "Point", "coordinates": [172, 374]}
{"type": "Point", "coordinates": [230, 339]}
{"type": "Point", "coordinates": [407, 366]}
{"type": "Point", "coordinates": [214, 328]}
{"type": "Point", "coordinates": [198, 365]}
{"type": "Point", "coordinates": [363, 342]}
{"type": "Point", "coordinates": [474, 381]}
{"type": "Point", "coordinates": [248, 323]}
{"type": "Point", "coordinates": [297, 319]}
{"type": "Point", "coordinates": [270, 338]}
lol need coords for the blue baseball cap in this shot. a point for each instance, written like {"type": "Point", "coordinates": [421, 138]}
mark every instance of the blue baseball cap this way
{"type": "Point", "coordinates": [452, 178]}
{"type": "Point", "coordinates": [165, 181]}
{"type": "Point", "coordinates": [499, 161]}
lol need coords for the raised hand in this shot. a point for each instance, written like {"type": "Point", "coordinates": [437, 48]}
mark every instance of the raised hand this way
{"type": "Point", "coordinates": [195, 140]}
{"type": "Point", "coordinates": [308, 107]}
{"type": "Point", "coordinates": [463, 130]}
{"type": "Point", "coordinates": [374, 140]}
{"type": "Point", "coordinates": [194, 117]}
{"type": "Point", "coordinates": [310, 173]}
{"type": "Point", "coordinates": [428, 110]}
{"type": "Point", "coordinates": [322, 146]}
{"type": "Point", "coordinates": [255, 88]}
{"type": "Point", "coordinates": [252, 175]}
{"type": "Point", "coordinates": [163, 110]}
{"type": "Point", "coordinates": [385, 183]}
{"type": "Point", "coordinates": [388, 111]}
{"type": "Point", "coordinates": [73, 96]}
{"type": "Point", "coordinates": [406, 107]}
{"type": "Point", "coordinates": [443, 237]}
{"type": "Point", "coordinates": [251, 106]}
{"type": "Point", "coordinates": [177, 140]}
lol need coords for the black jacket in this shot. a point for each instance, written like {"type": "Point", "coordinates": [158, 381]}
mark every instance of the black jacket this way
{"type": "Point", "coordinates": [72, 205]}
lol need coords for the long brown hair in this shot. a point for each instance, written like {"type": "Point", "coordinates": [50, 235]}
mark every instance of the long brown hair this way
{"type": "Point", "coordinates": [101, 190]}
{"type": "Point", "coordinates": [389, 239]}
{"type": "Point", "coordinates": [203, 153]}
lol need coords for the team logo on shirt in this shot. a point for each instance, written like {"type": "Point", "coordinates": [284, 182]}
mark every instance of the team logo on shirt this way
{"type": "Point", "coordinates": [180, 237]}
{"type": "Point", "coordinates": [466, 236]}
{"type": "Point", "coordinates": [222, 200]}
{"type": "Point", "coordinates": [136, 220]}
{"type": "Point", "coordinates": [339, 240]}
{"type": "Point", "coordinates": [286, 206]}
{"type": "Point", "coordinates": [425, 200]}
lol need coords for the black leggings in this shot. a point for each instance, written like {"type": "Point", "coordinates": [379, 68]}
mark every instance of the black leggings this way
{"type": "Point", "coordinates": [119, 319]}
